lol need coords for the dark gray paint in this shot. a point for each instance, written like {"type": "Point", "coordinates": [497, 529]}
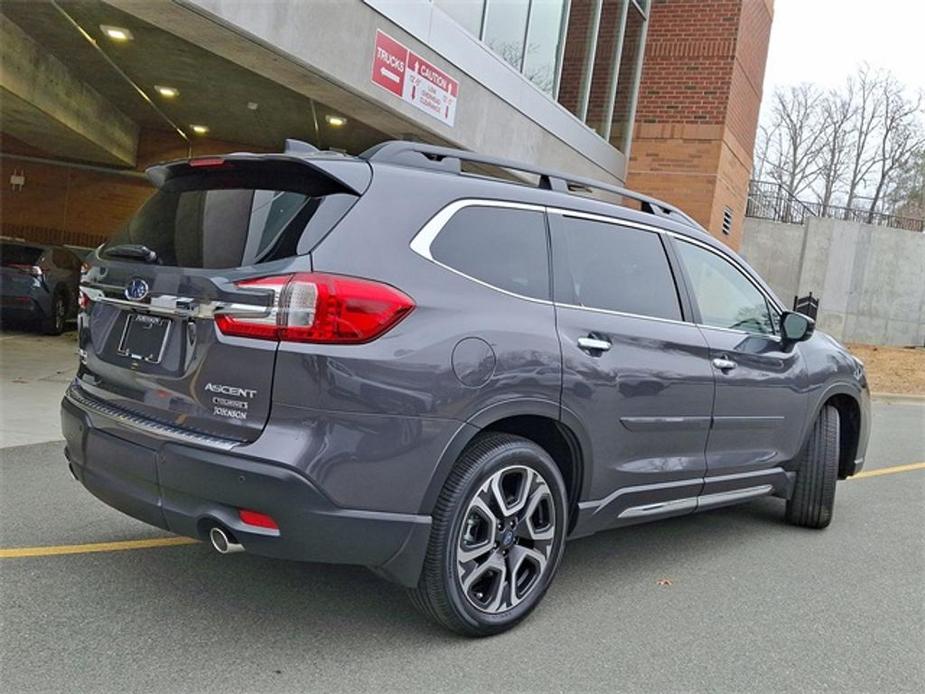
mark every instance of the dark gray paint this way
{"type": "Point", "coordinates": [350, 445]}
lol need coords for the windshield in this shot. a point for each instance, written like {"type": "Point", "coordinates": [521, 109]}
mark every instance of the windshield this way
{"type": "Point", "coordinates": [210, 221]}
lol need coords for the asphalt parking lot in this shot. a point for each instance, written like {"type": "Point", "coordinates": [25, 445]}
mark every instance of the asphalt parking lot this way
{"type": "Point", "coordinates": [752, 605]}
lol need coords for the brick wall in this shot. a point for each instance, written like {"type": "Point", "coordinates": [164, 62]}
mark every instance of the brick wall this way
{"type": "Point", "coordinates": [81, 206]}
{"type": "Point", "coordinates": [698, 106]}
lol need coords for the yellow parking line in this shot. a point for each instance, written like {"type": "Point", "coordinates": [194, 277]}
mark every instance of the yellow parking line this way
{"type": "Point", "coordinates": [889, 470]}
{"type": "Point", "coordinates": [19, 552]}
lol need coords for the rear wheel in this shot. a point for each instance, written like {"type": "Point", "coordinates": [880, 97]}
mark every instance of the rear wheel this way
{"type": "Point", "coordinates": [53, 323]}
{"type": "Point", "coordinates": [497, 540]}
{"type": "Point", "coordinates": [813, 496]}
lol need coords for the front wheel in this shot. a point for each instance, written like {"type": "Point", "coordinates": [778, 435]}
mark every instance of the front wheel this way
{"type": "Point", "coordinates": [497, 539]}
{"type": "Point", "coordinates": [813, 498]}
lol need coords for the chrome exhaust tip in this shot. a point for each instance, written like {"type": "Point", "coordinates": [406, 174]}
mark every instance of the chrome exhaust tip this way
{"type": "Point", "coordinates": [222, 543]}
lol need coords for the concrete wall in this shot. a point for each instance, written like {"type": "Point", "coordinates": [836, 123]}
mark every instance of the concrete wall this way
{"type": "Point", "coordinates": [868, 278]}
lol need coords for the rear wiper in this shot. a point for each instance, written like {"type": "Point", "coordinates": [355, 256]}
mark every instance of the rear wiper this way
{"type": "Point", "coordinates": [133, 251]}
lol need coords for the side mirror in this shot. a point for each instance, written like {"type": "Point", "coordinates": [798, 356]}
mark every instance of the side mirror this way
{"type": "Point", "coordinates": [795, 327]}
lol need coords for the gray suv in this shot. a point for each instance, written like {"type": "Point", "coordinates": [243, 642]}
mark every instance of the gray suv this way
{"type": "Point", "coordinates": [38, 284]}
{"type": "Point", "coordinates": [391, 361]}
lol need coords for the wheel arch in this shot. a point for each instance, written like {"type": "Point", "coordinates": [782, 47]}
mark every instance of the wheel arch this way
{"type": "Point", "coordinates": [845, 398]}
{"type": "Point", "coordinates": [559, 433]}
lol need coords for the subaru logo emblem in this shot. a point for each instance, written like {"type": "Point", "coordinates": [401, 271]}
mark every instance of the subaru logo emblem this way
{"type": "Point", "coordinates": [136, 290]}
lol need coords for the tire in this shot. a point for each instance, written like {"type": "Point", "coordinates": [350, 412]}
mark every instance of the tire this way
{"type": "Point", "coordinates": [473, 596]}
{"type": "Point", "coordinates": [53, 324]}
{"type": "Point", "coordinates": [813, 499]}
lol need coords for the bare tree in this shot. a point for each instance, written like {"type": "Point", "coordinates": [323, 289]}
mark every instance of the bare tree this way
{"type": "Point", "coordinates": [765, 138]}
{"type": "Point", "coordinates": [906, 196]}
{"type": "Point", "coordinates": [857, 146]}
{"type": "Point", "coordinates": [863, 157]}
{"type": "Point", "coordinates": [900, 137]}
{"type": "Point", "coordinates": [798, 127]}
{"type": "Point", "coordinates": [838, 110]}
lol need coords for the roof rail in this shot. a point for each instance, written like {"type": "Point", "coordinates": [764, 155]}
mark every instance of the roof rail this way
{"type": "Point", "coordinates": [422, 155]}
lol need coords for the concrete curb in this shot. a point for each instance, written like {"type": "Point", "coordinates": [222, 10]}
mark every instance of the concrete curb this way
{"type": "Point", "coordinates": [899, 398]}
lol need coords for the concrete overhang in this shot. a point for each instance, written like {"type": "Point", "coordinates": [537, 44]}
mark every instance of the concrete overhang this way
{"type": "Point", "coordinates": [43, 104]}
{"type": "Point", "coordinates": [325, 52]}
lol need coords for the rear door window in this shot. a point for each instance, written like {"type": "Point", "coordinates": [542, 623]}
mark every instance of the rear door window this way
{"type": "Point", "coordinates": [606, 266]}
{"type": "Point", "coordinates": [503, 247]}
{"type": "Point", "coordinates": [211, 221]}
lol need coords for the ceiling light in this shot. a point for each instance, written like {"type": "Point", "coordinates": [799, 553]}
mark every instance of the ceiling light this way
{"type": "Point", "coordinates": [335, 121]}
{"type": "Point", "coordinates": [166, 92]}
{"type": "Point", "coordinates": [200, 129]}
{"type": "Point", "coordinates": [116, 33]}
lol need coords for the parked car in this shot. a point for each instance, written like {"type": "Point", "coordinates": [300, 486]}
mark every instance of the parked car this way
{"type": "Point", "coordinates": [382, 360]}
{"type": "Point", "coordinates": [39, 284]}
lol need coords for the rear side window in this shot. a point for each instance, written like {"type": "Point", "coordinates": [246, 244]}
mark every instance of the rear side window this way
{"type": "Point", "coordinates": [503, 247]}
{"type": "Point", "coordinates": [207, 221]}
{"type": "Point", "coordinates": [606, 266]}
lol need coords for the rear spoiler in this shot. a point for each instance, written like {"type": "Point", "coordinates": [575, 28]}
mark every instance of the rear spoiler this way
{"type": "Point", "coordinates": [349, 174]}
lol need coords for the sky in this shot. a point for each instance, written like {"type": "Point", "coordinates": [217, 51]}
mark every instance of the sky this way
{"type": "Point", "coordinates": [822, 41]}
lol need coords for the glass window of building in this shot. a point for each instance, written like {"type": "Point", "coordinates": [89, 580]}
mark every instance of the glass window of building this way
{"type": "Point", "coordinates": [631, 54]}
{"type": "Point", "coordinates": [505, 28]}
{"type": "Point", "coordinates": [467, 13]}
{"type": "Point", "coordinates": [544, 34]}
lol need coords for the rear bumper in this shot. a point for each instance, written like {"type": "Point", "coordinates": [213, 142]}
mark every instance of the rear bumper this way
{"type": "Point", "coordinates": [20, 306]}
{"type": "Point", "coordinates": [188, 489]}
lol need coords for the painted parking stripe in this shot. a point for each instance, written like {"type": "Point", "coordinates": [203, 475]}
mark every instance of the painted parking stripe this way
{"type": "Point", "coordinates": [889, 470]}
{"type": "Point", "coordinates": [20, 552]}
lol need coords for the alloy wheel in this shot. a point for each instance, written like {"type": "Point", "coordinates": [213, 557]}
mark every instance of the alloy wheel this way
{"type": "Point", "coordinates": [505, 540]}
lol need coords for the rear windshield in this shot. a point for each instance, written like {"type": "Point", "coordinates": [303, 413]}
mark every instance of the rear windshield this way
{"type": "Point", "coordinates": [219, 221]}
{"type": "Point", "coordinates": [14, 254]}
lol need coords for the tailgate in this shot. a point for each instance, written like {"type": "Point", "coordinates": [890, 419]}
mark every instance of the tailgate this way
{"type": "Point", "coordinates": [148, 336]}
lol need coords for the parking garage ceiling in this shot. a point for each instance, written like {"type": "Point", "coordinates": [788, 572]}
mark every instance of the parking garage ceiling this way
{"type": "Point", "coordinates": [235, 104]}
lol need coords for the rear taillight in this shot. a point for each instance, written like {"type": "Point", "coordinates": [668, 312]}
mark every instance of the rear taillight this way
{"type": "Point", "coordinates": [314, 307]}
{"type": "Point", "coordinates": [83, 299]}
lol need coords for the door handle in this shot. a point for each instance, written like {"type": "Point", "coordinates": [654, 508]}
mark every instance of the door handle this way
{"type": "Point", "coordinates": [593, 344]}
{"type": "Point", "coordinates": [724, 364]}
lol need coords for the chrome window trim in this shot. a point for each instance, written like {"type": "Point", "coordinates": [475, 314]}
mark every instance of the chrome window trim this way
{"type": "Point", "coordinates": [594, 217]}
{"type": "Point", "coordinates": [624, 314]}
{"type": "Point", "coordinates": [424, 238]}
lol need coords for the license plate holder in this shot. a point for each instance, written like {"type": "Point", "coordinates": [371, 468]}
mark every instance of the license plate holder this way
{"type": "Point", "coordinates": [144, 337]}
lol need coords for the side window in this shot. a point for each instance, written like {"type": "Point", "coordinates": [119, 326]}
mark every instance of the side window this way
{"type": "Point", "coordinates": [505, 248]}
{"type": "Point", "coordinates": [726, 297]}
{"type": "Point", "coordinates": [606, 266]}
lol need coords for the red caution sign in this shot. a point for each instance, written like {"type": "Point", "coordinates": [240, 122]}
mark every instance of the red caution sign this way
{"type": "Point", "coordinates": [413, 79]}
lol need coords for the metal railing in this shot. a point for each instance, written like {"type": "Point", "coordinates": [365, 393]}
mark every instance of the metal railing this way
{"type": "Point", "coordinates": [771, 200]}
